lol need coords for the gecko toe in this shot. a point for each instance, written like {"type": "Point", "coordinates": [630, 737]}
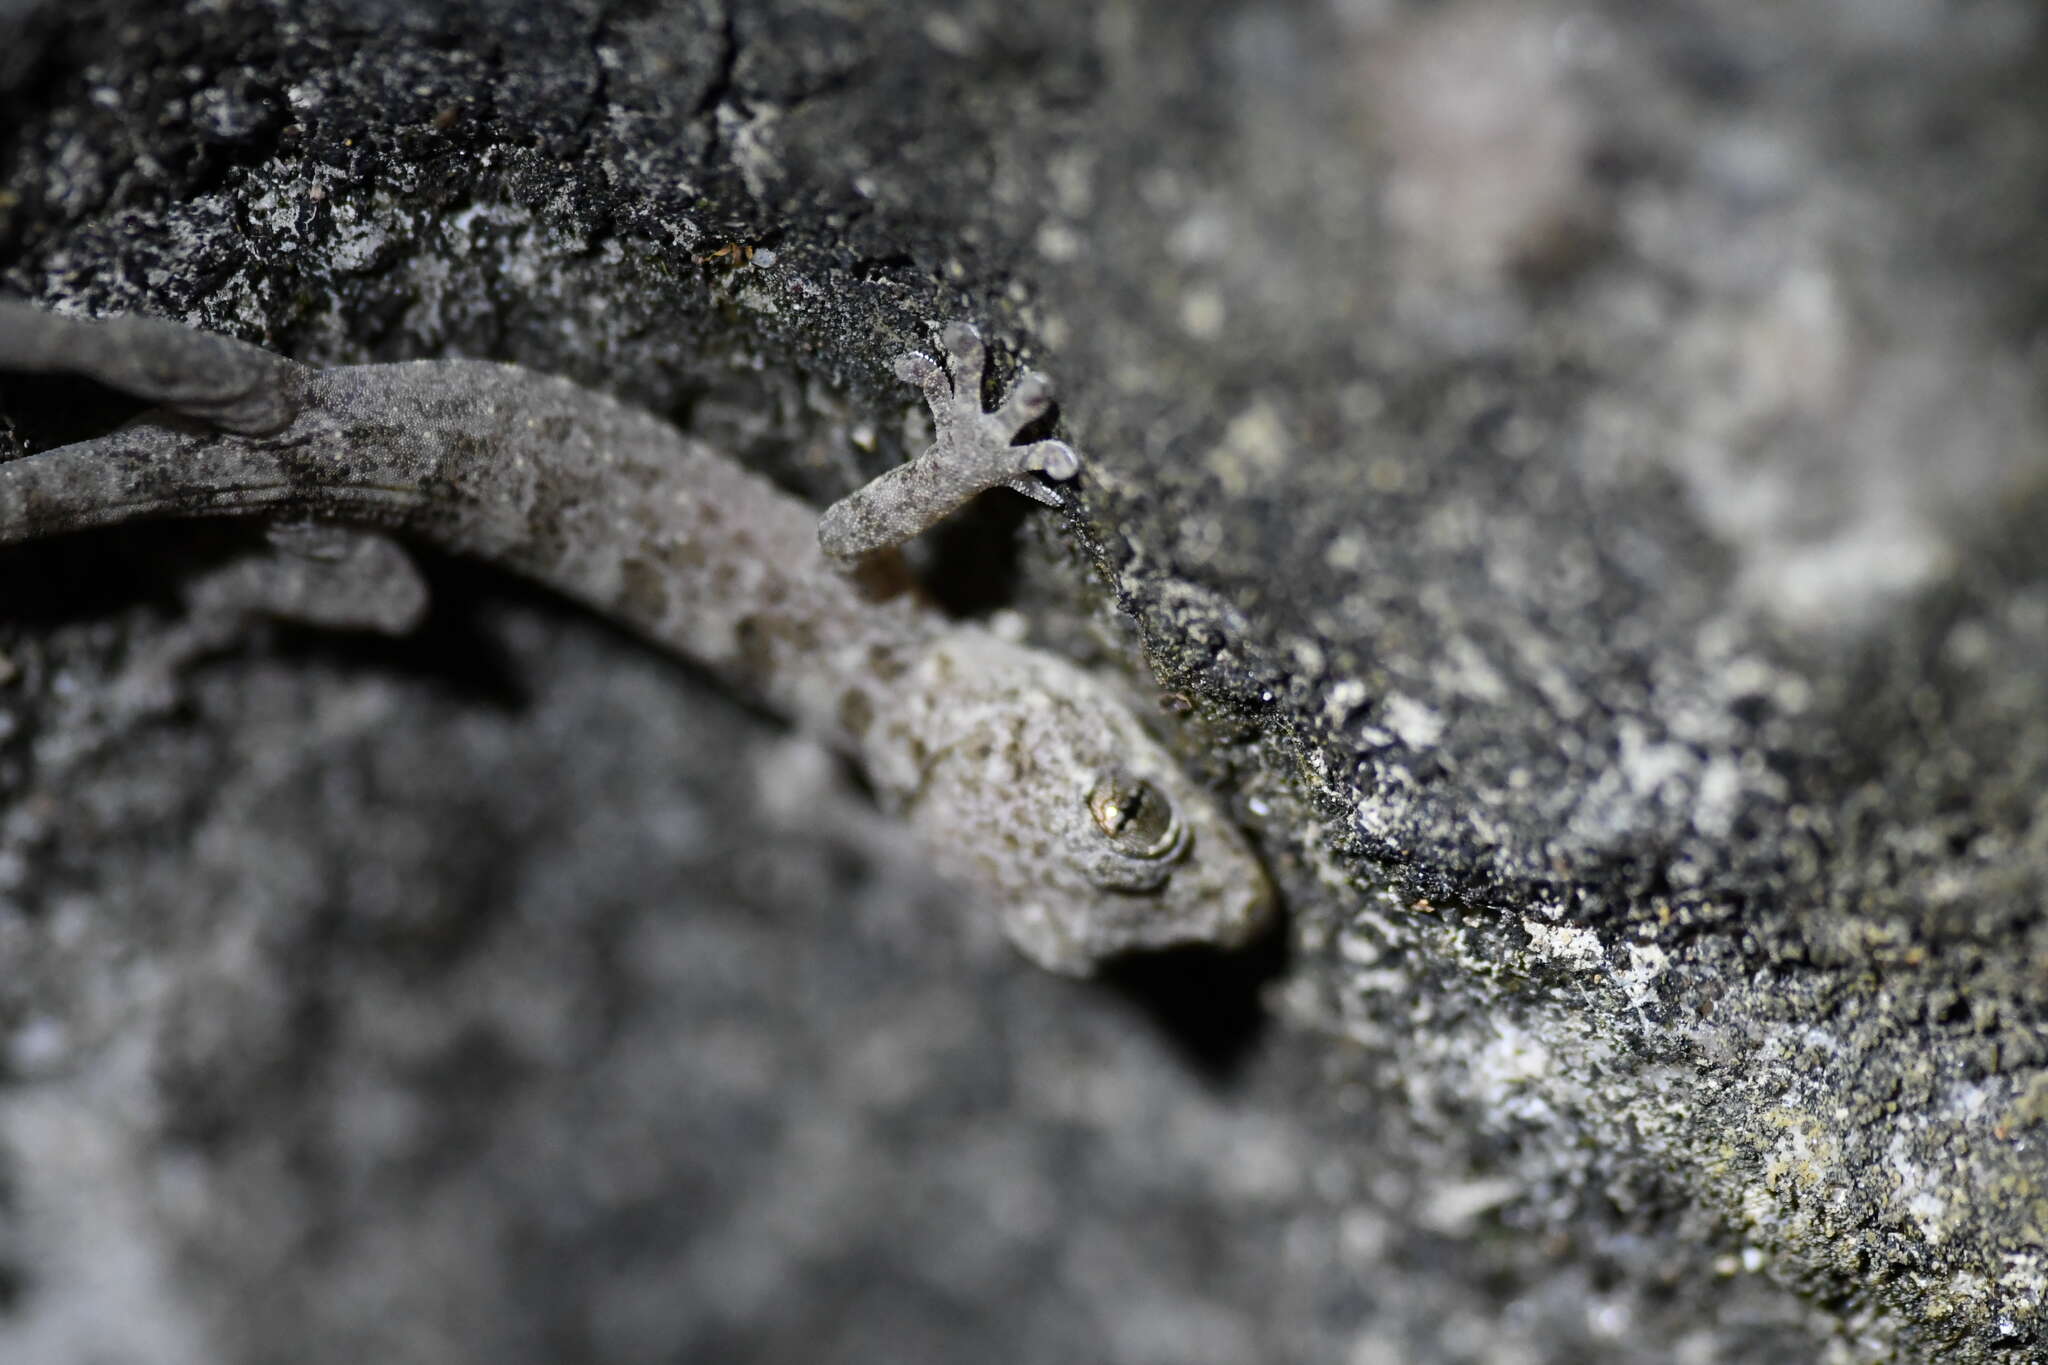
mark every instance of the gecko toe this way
{"type": "Point", "coordinates": [1028, 400]}
{"type": "Point", "coordinates": [1054, 459]}
{"type": "Point", "coordinates": [914, 367]}
{"type": "Point", "coordinates": [969, 359]}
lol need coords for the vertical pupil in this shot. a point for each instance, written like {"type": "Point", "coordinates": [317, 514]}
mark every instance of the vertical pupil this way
{"type": "Point", "coordinates": [1133, 815]}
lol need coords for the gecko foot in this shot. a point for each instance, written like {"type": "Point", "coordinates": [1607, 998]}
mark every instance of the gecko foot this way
{"type": "Point", "coordinates": [968, 433]}
{"type": "Point", "coordinates": [971, 452]}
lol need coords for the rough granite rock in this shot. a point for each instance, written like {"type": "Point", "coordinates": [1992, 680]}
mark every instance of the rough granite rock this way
{"type": "Point", "coordinates": [1572, 471]}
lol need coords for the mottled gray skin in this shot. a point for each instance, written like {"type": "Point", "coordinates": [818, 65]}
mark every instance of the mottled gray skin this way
{"type": "Point", "coordinates": [1030, 780]}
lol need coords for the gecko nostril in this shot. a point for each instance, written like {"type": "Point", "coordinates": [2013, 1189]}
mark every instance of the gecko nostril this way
{"type": "Point", "coordinates": [1135, 816]}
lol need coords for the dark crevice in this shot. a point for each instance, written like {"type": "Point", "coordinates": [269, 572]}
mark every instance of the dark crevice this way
{"type": "Point", "coordinates": [1209, 1003]}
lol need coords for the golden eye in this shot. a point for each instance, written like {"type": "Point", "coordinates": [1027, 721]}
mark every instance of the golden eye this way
{"type": "Point", "coordinates": [1135, 816]}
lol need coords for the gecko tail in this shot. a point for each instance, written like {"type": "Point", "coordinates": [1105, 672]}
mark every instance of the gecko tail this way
{"type": "Point", "coordinates": [197, 454]}
{"type": "Point", "coordinates": [168, 467]}
{"type": "Point", "coordinates": [145, 471]}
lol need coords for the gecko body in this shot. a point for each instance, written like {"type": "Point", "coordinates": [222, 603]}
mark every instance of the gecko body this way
{"type": "Point", "coordinates": [1031, 781]}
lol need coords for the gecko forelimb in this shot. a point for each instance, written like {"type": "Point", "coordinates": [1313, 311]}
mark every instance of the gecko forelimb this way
{"type": "Point", "coordinates": [970, 453]}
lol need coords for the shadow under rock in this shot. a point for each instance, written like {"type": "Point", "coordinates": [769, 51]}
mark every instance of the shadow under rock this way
{"type": "Point", "coordinates": [1208, 1003]}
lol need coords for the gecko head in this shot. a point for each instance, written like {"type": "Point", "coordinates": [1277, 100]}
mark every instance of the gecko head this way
{"type": "Point", "coordinates": [1047, 791]}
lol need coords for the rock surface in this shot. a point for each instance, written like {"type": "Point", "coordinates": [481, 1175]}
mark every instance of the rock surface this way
{"type": "Point", "coordinates": [1573, 471]}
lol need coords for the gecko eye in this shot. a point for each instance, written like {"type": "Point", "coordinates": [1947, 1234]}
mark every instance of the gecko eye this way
{"type": "Point", "coordinates": [1136, 817]}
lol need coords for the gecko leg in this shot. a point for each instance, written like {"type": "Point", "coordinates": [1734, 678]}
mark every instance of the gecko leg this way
{"type": "Point", "coordinates": [317, 573]}
{"type": "Point", "coordinates": [971, 453]}
{"type": "Point", "coordinates": [221, 381]}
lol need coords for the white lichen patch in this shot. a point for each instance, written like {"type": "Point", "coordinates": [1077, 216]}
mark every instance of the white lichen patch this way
{"type": "Point", "coordinates": [1564, 944]}
{"type": "Point", "coordinates": [1646, 964]}
{"type": "Point", "coordinates": [1418, 725]}
{"type": "Point", "coordinates": [1917, 1190]}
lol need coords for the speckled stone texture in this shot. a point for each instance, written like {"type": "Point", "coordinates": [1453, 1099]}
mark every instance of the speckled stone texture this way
{"type": "Point", "coordinates": [1571, 473]}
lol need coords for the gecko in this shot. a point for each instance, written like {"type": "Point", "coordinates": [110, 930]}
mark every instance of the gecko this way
{"type": "Point", "coordinates": [1032, 783]}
